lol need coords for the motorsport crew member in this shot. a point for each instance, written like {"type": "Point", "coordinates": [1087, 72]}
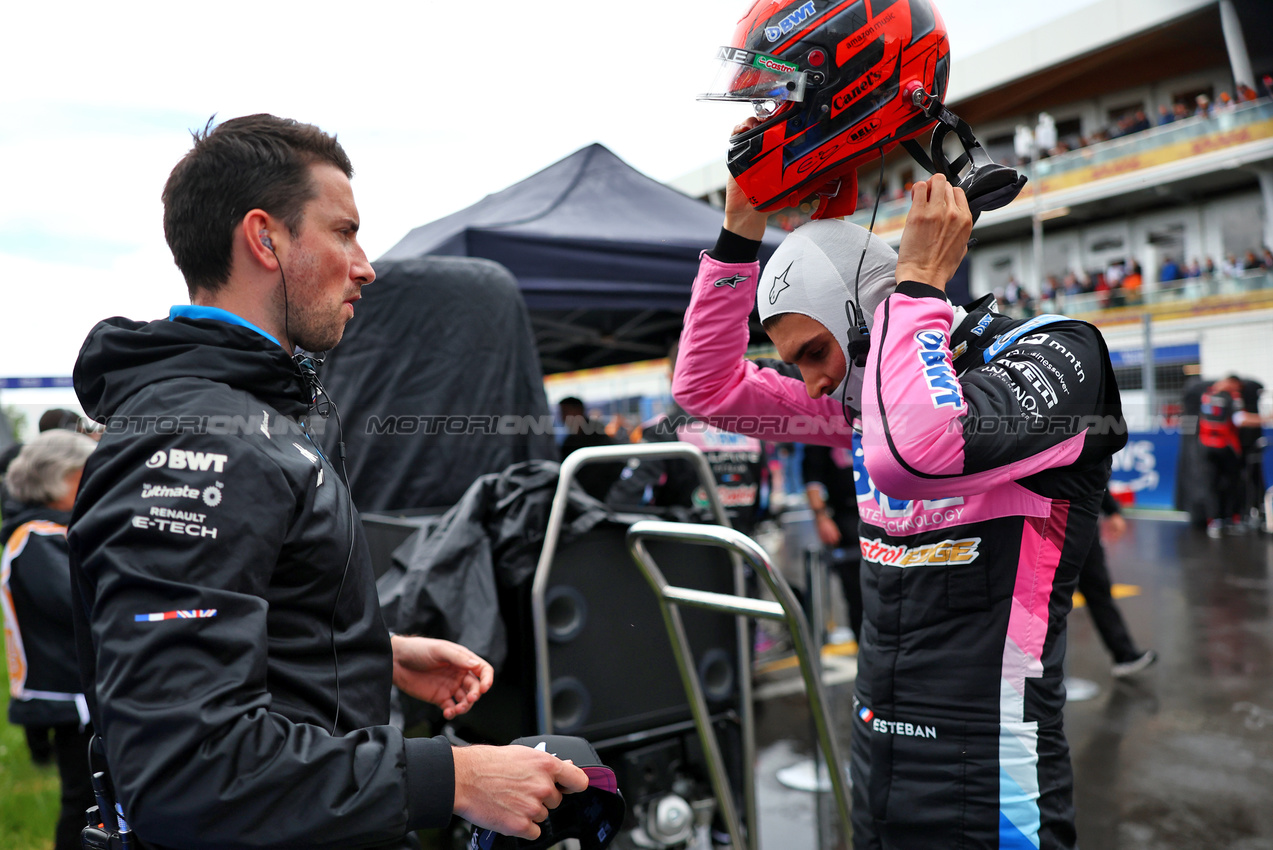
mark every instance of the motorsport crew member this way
{"type": "Point", "coordinates": [978, 490]}
{"type": "Point", "coordinates": [1221, 418]}
{"type": "Point", "coordinates": [232, 647]}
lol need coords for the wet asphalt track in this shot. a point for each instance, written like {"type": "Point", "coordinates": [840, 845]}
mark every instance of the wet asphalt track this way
{"type": "Point", "coordinates": [1180, 757]}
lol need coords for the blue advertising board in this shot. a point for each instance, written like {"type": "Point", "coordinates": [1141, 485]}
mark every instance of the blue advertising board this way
{"type": "Point", "coordinates": [1147, 467]}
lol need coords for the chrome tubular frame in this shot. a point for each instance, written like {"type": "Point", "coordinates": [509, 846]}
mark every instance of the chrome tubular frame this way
{"type": "Point", "coordinates": [785, 609]}
{"type": "Point", "coordinates": [539, 613]}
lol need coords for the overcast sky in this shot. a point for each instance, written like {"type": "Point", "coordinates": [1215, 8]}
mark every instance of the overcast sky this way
{"type": "Point", "coordinates": [438, 104]}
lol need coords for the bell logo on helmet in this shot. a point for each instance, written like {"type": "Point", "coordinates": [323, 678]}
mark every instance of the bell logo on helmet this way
{"type": "Point", "coordinates": [859, 133]}
{"type": "Point", "coordinates": [789, 23]}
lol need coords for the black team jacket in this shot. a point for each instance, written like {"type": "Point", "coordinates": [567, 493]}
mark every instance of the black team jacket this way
{"type": "Point", "coordinates": [207, 546]}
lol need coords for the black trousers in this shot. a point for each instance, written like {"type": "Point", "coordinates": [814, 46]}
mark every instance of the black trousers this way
{"type": "Point", "coordinates": [1224, 483]}
{"type": "Point", "coordinates": [850, 572]}
{"type": "Point", "coordinates": [70, 748]}
{"type": "Point", "coordinates": [1094, 584]}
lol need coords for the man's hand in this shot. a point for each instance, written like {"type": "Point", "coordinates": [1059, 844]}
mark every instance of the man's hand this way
{"type": "Point", "coordinates": [510, 789]}
{"type": "Point", "coordinates": [935, 236]}
{"type": "Point", "coordinates": [740, 217]}
{"type": "Point", "coordinates": [1114, 526]}
{"type": "Point", "coordinates": [440, 672]}
{"type": "Point", "coordinates": [828, 531]}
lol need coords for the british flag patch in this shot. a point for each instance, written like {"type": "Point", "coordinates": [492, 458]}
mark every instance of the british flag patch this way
{"type": "Point", "coordinates": [194, 614]}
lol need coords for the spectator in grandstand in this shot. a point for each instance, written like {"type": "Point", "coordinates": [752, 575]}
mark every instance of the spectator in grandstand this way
{"type": "Point", "coordinates": [1246, 93]}
{"type": "Point", "coordinates": [1221, 417]}
{"type": "Point", "coordinates": [1267, 82]}
{"type": "Point", "coordinates": [43, 677]}
{"type": "Point", "coordinates": [1169, 271]}
{"type": "Point", "coordinates": [1165, 115]}
{"type": "Point", "coordinates": [1250, 262]}
{"type": "Point", "coordinates": [1209, 267]}
{"type": "Point", "coordinates": [1232, 267]}
{"type": "Point", "coordinates": [1070, 284]}
{"type": "Point", "coordinates": [1193, 270]}
{"type": "Point", "coordinates": [1203, 106]}
{"type": "Point", "coordinates": [1224, 103]}
{"type": "Point", "coordinates": [1048, 289]}
{"type": "Point", "coordinates": [1094, 584]}
{"type": "Point", "coordinates": [1012, 292]}
{"type": "Point", "coordinates": [1266, 260]}
{"type": "Point", "coordinates": [1140, 122]}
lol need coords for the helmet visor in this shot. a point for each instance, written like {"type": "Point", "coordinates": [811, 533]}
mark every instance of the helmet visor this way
{"type": "Point", "coordinates": [757, 77]}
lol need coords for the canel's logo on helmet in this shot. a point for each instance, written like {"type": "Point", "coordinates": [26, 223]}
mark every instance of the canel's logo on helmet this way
{"type": "Point", "coordinates": [868, 82]}
{"type": "Point", "coordinates": [789, 23]}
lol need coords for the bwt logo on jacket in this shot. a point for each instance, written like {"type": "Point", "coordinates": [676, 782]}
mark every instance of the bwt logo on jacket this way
{"type": "Point", "coordinates": [182, 459]}
{"type": "Point", "coordinates": [942, 383]}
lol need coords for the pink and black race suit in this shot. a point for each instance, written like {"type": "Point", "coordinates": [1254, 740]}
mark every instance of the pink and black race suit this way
{"type": "Point", "coordinates": [980, 462]}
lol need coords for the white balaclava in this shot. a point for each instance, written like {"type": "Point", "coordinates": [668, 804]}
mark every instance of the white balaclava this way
{"type": "Point", "coordinates": [812, 273]}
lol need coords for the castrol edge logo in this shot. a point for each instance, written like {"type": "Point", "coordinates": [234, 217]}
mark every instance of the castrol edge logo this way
{"type": "Point", "coordinates": [962, 551]}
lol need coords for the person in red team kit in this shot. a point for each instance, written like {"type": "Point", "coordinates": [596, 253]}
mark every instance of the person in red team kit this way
{"type": "Point", "coordinates": [981, 444]}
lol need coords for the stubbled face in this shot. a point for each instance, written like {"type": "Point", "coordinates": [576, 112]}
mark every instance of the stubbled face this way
{"type": "Point", "coordinates": [809, 345]}
{"type": "Point", "coordinates": [327, 268]}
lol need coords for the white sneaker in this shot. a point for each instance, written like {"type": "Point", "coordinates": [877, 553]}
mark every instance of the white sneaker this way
{"type": "Point", "coordinates": [1131, 668]}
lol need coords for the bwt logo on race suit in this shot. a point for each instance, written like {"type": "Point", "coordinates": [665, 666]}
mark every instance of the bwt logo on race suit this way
{"type": "Point", "coordinates": [943, 386]}
{"type": "Point", "coordinates": [788, 23]}
{"type": "Point", "coordinates": [182, 459]}
{"type": "Point", "coordinates": [900, 516]}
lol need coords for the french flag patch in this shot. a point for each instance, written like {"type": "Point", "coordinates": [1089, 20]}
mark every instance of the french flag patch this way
{"type": "Point", "coordinates": [866, 714]}
{"type": "Point", "coordinates": [194, 614]}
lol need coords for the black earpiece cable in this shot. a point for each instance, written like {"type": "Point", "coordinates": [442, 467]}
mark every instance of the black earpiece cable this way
{"type": "Point", "coordinates": [306, 366]}
{"type": "Point", "coordinates": [855, 315]}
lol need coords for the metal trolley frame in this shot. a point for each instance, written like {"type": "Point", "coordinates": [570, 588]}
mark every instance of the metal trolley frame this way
{"type": "Point", "coordinates": [739, 547]}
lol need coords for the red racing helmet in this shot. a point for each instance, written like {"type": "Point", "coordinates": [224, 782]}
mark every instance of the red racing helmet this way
{"type": "Point", "coordinates": [836, 83]}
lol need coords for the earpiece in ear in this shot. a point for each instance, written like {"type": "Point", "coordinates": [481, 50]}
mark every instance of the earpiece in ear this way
{"type": "Point", "coordinates": [266, 241]}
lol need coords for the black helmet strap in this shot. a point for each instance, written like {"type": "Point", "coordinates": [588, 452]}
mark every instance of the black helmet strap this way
{"type": "Point", "coordinates": [987, 184]}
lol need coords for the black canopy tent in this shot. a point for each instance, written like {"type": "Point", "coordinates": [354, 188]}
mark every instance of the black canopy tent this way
{"type": "Point", "coordinates": [603, 255]}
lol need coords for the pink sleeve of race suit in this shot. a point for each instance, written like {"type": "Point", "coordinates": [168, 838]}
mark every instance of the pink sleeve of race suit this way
{"type": "Point", "coordinates": [915, 408]}
{"type": "Point", "coordinates": [714, 380]}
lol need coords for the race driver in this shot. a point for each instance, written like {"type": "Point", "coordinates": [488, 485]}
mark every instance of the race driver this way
{"type": "Point", "coordinates": [982, 447]}
{"type": "Point", "coordinates": [982, 443]}
{"type": "Point", "coordinates": [230, 639]}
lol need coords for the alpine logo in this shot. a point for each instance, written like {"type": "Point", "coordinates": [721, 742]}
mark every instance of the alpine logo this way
{"type": "Point", "coordinates": [943, 386]}
{"type": "Point", "coordinates": [731, 282]}
{"type": "Point", "coordinates": [780, 283]}
{"type": "Point", "coordinates": [790, 22]}
{"type": "Point", "coordinates": [182, 459]}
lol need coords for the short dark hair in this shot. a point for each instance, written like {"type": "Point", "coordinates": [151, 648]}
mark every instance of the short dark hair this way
{"type": "Point", "coordinates": [253, 162]}
{"type": "Point", "coordinates": [571, 402]}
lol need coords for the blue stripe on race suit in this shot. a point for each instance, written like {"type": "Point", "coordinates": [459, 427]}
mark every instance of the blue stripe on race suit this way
{"type": "Point", "coordinates": [1010, 838]}
{"type": "Point", "coordinates": [1018, 809]}
{"type": "Point", "coordinates": [1006, 339]}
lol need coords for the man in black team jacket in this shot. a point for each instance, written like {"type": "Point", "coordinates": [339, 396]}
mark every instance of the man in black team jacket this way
{"type": "Point", "coordinates": [230, 641]}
